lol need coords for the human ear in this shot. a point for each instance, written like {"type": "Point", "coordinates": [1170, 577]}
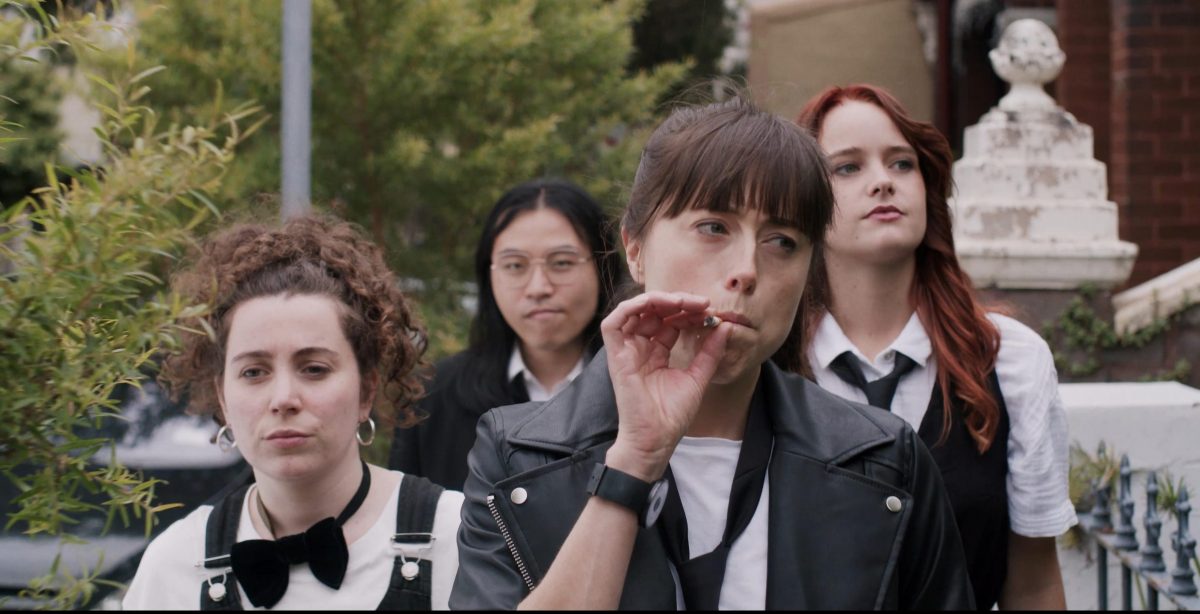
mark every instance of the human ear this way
{"type": "Point", "coordinates": [633, 255]}
{"type": "Point", "coordinates": [220, 390]}
{"type": "Point", "coordinates": [370, 385]}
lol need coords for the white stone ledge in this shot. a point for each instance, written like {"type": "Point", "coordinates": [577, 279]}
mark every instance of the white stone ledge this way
{"type": "Point", "coordinates": [1074, 179]}
{"type": "Point", "coordinates": [1045, 265]}
{"type": "Point", "coordinates": [1161, 297]}
{"type": "Point", "coordinates": [1155, 423]}
{"type": "Point", "coordinates": [1062, 220]}
{"type": "Point", "coordinates": [1056, 139]}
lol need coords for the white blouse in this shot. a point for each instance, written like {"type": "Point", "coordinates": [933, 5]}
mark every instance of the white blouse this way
{"type": "Point", "coordinates": [516, 366]}
{"type": "Point", "coordinates": [1038, 502]}
{"type": "Point", "coordinates": [168, 577]}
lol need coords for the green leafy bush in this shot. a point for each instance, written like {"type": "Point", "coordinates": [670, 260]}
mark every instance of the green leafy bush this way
{"type": "Point", "coordinates": [82, 305]}
{"type": "Point", "coordinates": [425, 111]}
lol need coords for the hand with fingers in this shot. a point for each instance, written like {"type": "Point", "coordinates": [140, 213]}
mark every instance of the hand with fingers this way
{"type": "Point", "coordinates": [655, 400]}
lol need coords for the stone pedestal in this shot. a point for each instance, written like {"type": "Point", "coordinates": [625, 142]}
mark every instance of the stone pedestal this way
{"type": "Point", "coordinates": [1032, 208]}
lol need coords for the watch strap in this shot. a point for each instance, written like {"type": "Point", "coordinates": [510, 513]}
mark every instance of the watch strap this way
{"type": "Point", "coordinates": [619, 487]}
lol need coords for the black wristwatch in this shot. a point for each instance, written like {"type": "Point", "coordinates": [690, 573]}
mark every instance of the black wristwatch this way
{"type": "Point", "coordinates": [644, 498]}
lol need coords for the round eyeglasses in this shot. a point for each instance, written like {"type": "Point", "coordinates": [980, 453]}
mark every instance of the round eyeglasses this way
{"type": "Point", "coordinates": [515, 271]}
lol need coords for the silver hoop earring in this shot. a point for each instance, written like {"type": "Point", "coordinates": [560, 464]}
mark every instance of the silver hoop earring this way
{"type": "Point", "coordinates": [358, 432]}
{"type": "Point", "coordinates": [225, 440]}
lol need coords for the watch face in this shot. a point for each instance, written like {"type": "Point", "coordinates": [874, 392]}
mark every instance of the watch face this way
{"type": "Point", "coordinates": [655, 502]}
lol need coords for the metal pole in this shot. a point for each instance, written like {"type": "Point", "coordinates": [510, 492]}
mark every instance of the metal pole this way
{"type": "Point", "coordinates": [296, 114]}
{"type": "Point", "coordinates": [1101, 576]}
{"type": "Point", "coordinates": [1126, 588]}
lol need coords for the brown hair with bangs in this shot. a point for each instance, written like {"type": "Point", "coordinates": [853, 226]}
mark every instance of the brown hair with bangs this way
{"type": "Point", "coordinates": [726, 156]}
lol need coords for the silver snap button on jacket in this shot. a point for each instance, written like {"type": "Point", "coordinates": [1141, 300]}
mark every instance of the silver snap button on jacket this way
{"type": "Point", "coordinates": [893, 504]}
{"type": "Point", "coordinates": [519, 496]}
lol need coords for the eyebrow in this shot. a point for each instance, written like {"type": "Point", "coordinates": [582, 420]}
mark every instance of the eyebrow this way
{"type": "Point", "coordinates": [259, 354]}
{"type": "Point", "coordinates": [890, 150]}
{"type": "Point", "coordinates": [518, 252]}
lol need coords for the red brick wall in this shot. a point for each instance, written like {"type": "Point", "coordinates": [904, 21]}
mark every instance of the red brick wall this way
{"type": "Point", "coordinates": [1085, 86]}
{"type": "Point", "coordinates": [1154, 172]}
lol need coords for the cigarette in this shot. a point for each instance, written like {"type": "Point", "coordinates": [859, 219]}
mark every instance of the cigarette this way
{"type": "Point", "coordinates": [711, 321]}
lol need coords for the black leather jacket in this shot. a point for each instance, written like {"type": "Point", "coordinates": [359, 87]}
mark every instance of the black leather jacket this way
{"type": "Point", "coordinates": [833, 541]}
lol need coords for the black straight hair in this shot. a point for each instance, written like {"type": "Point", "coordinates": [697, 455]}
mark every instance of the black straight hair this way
{"type": "Point", "coordinates": [491, 338]}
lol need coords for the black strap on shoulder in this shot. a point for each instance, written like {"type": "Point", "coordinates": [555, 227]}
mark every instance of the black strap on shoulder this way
{"type": "Point", "coordinates": [415, 513]}
{"type": "Point", "coordinates": [219, 592]}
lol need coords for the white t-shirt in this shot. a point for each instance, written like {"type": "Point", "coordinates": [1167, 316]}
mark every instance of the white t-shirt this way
{"type": "Point", "coordinates": [1038, 502]}
{"type": "Point", "coordinates": [169, 578]}
{"type": "Point", "coordinates": [703, 468]}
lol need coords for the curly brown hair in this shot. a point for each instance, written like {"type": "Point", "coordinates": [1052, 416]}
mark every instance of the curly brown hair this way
{"type": "Point", "coordinates": [317, 255]}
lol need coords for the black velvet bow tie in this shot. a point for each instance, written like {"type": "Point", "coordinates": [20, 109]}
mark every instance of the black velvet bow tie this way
{"type": "Point", "coordinates": [262, 566]}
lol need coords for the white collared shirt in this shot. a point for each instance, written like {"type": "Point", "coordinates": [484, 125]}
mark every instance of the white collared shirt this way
{"type": "Point", "coordinates": [516, 366]}
{"type": "Point", "coordinates": [1038, 502]}
{"type": "Point", "coordinates": [169, 577]}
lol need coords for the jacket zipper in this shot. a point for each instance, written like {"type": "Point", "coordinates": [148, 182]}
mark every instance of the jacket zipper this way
{"type": "Point", "coordinates": [508, 541]}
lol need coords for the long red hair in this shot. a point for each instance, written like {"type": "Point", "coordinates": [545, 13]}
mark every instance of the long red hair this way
{"type": "Point", "coordinates": [963, 340]}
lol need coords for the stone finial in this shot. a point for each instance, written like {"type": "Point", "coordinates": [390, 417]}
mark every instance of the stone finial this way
{"type": "Point", "coordinates": [1028, 57]}
{"type": "Point", "coordinates": [1032, 208]}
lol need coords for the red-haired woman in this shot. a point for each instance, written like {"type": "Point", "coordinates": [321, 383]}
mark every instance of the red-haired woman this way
{"type": "Point", "coordinates": [891, 319]}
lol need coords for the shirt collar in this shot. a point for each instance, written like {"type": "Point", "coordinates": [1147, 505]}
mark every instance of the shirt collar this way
{"type": "Point", "coordinates": [516, 366]}
{"type": "Point", "coordinates": [830, 341]}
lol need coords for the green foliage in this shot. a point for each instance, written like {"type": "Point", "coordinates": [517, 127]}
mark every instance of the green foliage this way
{"type": "Point", "coordinates": [1177, 373]}
{"type": "Point", "coordinates": [29, 97]}
{"type": "Point", "coordinates": [1169, 488]}
{"type": "Point", "coordinates": [30, 105]}
{"type": "Point", "coordinates": [696, 31]}
{"type": "Point", "coordinates": [81, 306]}
{"type": "Point", "coordinates": [425, 111]}
{"type": "Point", "coordinates": [1086, 471]}
{"type": "Point", "coordinates": [1079, 335]}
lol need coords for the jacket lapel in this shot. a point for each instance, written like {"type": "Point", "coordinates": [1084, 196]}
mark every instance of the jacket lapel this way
{"type": "Point", "coordinates": [581, 416]}
{"type": "Point", "coordinates": [825, 519]}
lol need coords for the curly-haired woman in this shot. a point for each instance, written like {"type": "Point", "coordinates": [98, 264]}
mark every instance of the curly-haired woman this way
{"type": "Point", "coordinates": [307, 331]}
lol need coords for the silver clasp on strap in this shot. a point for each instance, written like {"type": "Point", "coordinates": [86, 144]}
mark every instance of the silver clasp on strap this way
{"type": "Point", "coordinates": [420, 542]}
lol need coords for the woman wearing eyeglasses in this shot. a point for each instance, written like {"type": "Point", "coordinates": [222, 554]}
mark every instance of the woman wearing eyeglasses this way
{"type": "Point", "coordinates": [545, 266]}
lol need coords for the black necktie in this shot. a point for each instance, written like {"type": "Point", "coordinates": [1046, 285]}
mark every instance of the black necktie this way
{"type": "Point", "coordinates": [262, 566]}
{"type": "Point", "coordinates": [700, 578]}
{"type": "Point", "coordinates": [879, 392]}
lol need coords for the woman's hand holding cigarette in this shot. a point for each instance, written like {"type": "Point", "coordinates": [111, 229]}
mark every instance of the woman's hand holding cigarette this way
{"type": "Point", "coordinates": [655, 401]}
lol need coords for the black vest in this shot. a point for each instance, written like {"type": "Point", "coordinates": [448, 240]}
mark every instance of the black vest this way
{"type": "Point", "coordinates": [978, 488]}
{"type": "Point", "coordinates": [415, 513]}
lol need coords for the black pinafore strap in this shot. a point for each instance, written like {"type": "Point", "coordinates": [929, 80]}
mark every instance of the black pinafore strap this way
{"type": "Point", "coordinates": [219, 537]}
{"type": "Point", "coordinates": [416, 511]}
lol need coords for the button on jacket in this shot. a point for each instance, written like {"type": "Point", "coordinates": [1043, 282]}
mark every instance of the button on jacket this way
{"type": "Point", "coordinates": [858, 517]}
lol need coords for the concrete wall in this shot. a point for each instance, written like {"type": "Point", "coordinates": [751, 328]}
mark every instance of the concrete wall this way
{"type": "Point", "coordinates": [798, 47]}
{"type": "Point", "coordinates": [1158, 426]}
